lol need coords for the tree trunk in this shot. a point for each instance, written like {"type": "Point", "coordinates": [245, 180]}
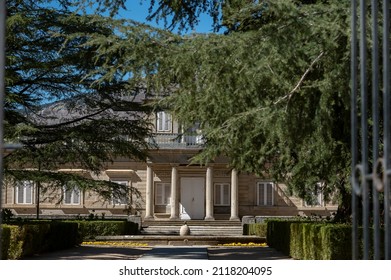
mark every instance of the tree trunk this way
{"type": "Point", "coordinates": [345, 207]}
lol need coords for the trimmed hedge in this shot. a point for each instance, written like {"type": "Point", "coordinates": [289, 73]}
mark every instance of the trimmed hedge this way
{"type": "Point", "coordinates": [28, 238]}
{"type": "Point", "coordinates": [310, 240]}
{"type": "Point", "coordinates": [279, 235]}
{"type": "Point", "coordinates": [25, 238]}
{"type": "Point", "coordinates": [90, 229]}
{"type": "Point", "coordinates": [259, 229]}
{"type": "Point", "coordinates": [6, 239]}
{"type": "Point", "coordinates": [339, 240]}
{"type": "Point", "coordinates": [314, 240]}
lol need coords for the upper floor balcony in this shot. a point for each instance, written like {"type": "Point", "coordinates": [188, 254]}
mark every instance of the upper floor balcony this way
{"type": "Point", "coordinates": [176, 141]}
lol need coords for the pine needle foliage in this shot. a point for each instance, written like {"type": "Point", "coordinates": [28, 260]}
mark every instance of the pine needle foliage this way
{"type": "Point", "coordinates": [272, 93]}
{"type": "Point", "coordinates": [60, 104]}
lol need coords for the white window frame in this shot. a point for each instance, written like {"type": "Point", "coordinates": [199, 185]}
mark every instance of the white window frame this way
{"type": "Point", "coordinates": [163, 122]}
{"type": "Point", "coordinates": [123, 200]}
{"type": "Point", "coordinates": [74, 193]}
{"type": "Point", "coordinates": [317, 196]}
{"type": "Point", "coordinates": [26, 198]}
{"type": "Point", "coordinates": [265, 193]}
{"type": "Point", "coordinates": [162, 193]}
{"type": "Point", "coordinates": [218, 193]}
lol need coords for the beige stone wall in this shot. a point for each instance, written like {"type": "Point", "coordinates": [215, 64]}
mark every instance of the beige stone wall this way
{"type": "Point", "coordinates": [135, 174]}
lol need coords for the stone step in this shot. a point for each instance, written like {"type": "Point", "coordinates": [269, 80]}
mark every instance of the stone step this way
{"type": "Point", "coordinates": [222, 223]}
{"type": "Point", "coordinates": [194, 230]}
{"type": "Point", "coordinates": [154, 240]}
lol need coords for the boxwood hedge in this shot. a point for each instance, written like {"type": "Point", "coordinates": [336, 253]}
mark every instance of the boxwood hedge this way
{"type": "Point", "coordinates": [308, 240]}
{"type": "Point", "coordinates": [24, 238]}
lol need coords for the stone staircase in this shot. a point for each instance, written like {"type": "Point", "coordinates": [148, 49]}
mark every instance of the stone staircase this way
{"type": "Point", "coordinates": [202, 233]}
{"type": "Point", "coordinates": [197, 228]}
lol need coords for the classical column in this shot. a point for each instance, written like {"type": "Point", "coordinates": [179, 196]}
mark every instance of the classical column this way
{"type": "Point", "coordinates": [234, 196]}
{"type": "Point", "coordinates": [174, 194]}
{"type": "Point", "coordinates": [149, 195]}
{"type": "Point", "coordinates": [209, 194]}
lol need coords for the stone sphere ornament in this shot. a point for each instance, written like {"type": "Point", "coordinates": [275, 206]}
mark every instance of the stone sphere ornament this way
{"type": "Point", "coordinates": [184, 230]}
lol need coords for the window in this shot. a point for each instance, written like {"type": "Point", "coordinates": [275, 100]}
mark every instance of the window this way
{"type": "Point", "coordinates": [24, 192]}
{"type": "Point", "coordinates": [121, 195]}
{"type": "Point", "coordinates": [72, 194]}
{"type": "Point", "coordinates": [222, 192]}
{"type": "Point", "coordinates": [315, 197]}
{"type": "Point", "coordinates": [163, 121]}
{"type": "Point", "coordinates": [265, 194]}
{"type": "Point", "coordinates": [162, 194]}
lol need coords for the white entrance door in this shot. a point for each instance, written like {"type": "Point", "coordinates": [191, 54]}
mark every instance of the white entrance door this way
{"type": "Point", "coordinates": [192, 198]}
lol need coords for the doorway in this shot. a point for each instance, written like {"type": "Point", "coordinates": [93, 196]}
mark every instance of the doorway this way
{"type": "Point", "coordinates": [192, 203]}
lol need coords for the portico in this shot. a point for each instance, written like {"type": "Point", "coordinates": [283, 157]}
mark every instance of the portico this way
{"type": "Point", "coordinates": [189, 195]}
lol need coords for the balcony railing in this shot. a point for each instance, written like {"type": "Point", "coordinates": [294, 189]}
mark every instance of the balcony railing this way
{"type": "Point", "coordinates": [176, 140]}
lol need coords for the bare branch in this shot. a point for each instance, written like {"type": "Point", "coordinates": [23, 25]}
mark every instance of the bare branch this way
{"type": "Point", "coordinates": [289, 95]}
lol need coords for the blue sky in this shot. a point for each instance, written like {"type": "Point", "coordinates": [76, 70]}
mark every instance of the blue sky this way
{"type": "Point", "coordinates": [139, 11]}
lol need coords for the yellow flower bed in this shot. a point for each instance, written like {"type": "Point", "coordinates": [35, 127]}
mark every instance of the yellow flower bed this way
{"type": "Point", "coordinates": [114, 243]}
{"type": "Point", "coordinates": [250, 244]}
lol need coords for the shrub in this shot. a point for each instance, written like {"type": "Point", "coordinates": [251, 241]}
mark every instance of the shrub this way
{"type": "Point", "coordinates": [91, 229]}
{"type": "Point", "coordinates": [255, 229]}
{"type": "Point", "coordinates": [12, 245]}
{"type": "Point", "coordinates": [5, 241]}
{"type": "Point", "coordinates": [296, 245]}
{"type": "Point", "coordinates": [279, 235]}
{"type": "Point", "coordinates": [337, 242]}
{"type": "Point", "coordinates": [6, 215]}
{"type": "Point", "coordinates": [24, 238]}
{"type": "Point", "coordinates": [32, 237]}
{"type": "Point", "coordinates": [311, 240]}
{"type": "Point", "coordinates": [66, 232]}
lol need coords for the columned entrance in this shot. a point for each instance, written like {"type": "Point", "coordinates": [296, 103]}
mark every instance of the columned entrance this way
{"type": "Point", "coordinates": [192, 202]}
{"type": "Point", "coordinates": [189, 197]}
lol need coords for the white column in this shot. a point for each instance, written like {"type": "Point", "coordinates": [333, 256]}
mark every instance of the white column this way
{"type": "Point", "coordinates": [149, 195]}
{"type": "Point", "coordinates": [174, 194]}
{"type": "Point", "coordinates": [234, 196]}
{"type": "Point", "coordinates": [209, 194]}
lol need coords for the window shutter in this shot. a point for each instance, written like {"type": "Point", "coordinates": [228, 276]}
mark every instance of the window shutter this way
{"type": "Point", "coordinates": [269, 194]}
{"type": "Point", "coordinates": [217, 195]}
{"type": "Point", "coordinates": [226, 194]}
{"type": "Point", "coordinates": [265, 194]}
{"type": "Point", "coordinates": [122, 196]}
{"type": "Point", "coordinates": [160, 121]}
{"type": "Point", "coordinates": [76, 196]}
{"type": "Point", "coordinates": [167, 194]}
{"type": "Point", "coordinates": [68, 196]}
{"type": "Point", "coordinates": [167, 122]}
{"type": "Point", "coordinates": [28, 188]}
{"type": "Point", "coordinates": [261, 194]}
{"type": "Point", "coordinates": [163, 194]}
{"type": "Point", "coordinates": [20, 193]}
{"type": "Point", "coordinates": [222, 194]}
{"type": "Point", "coordinates": [159, 194]}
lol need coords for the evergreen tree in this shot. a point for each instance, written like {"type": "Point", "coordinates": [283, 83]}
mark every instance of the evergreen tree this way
{"type": "Point", "coordinates": [59, 105]}
{"type": "Point", "coordinates": [272, 93]}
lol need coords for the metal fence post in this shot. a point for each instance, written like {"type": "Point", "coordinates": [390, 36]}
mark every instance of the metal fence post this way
{"type": "Point", "coordinates": [371, 171]}
{"type": "Point", "coordinates": [2, 93]}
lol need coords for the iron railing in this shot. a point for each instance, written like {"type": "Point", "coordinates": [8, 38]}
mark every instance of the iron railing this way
{"type": "Point", "coordinates": [176, 140]}
{"type": "Point", "coordinates": [371, 124]}
{"type": "Point", "coordinates": [2, 95]}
